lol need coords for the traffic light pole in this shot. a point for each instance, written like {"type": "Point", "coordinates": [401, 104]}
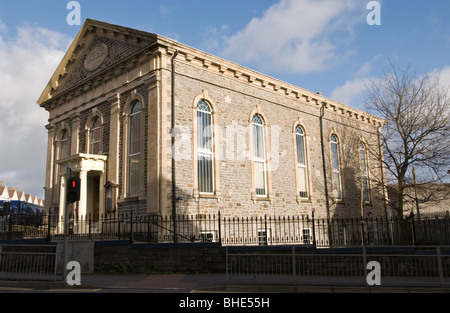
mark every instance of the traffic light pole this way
{"type": "Point", "coordinates": [66, 225]}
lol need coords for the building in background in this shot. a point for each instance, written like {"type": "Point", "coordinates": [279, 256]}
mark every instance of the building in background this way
{"type": "Point", "coordinates": [19, 201]}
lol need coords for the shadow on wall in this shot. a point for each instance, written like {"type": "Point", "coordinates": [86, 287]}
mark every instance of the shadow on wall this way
{"type": "Point", "coordinates": [352, 204]}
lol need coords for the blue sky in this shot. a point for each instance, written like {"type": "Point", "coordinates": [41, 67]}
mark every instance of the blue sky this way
{"type": "Point", "coordinates": [319, 45]}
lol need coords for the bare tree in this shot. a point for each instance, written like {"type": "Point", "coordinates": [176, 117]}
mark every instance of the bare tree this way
{"type": "Point", "coordinates": [417, 111]}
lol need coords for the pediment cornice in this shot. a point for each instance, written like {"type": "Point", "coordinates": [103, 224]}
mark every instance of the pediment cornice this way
{"type": "Point", "coordinates": [147, 43]}
{"type": "Point", "coordinates": [234, 71]}
{"type": "Point", "coordinates": [94, 39]}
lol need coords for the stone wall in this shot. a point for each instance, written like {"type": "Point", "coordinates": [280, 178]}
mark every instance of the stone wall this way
{"type": "Point", "coordinates": [122, 257]}
{"type": "Point", "coordinates": [234, 101]}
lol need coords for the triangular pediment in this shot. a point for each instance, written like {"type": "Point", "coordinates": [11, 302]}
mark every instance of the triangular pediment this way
{"type": "Point", "coordinates": [98, 46]}
{"type": "Point", "coordinates": [101, 53]}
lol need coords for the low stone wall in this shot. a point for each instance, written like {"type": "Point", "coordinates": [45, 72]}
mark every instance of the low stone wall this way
{"type": "Point", "coordinates": [122, 257]}
{"type": "Point", "coordinates": [126, 257]}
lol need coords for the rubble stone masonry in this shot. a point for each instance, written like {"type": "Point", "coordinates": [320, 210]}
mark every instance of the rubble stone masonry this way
{"type": "Point", "coordinates": [138, 68]}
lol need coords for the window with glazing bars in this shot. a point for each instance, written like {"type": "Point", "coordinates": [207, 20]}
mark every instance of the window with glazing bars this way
{"type": "Point", "coordinates": [134, 148]}
{"type": "Point", "coordinates": [364, 172]}
{"type": "Point", "coordinates": [306, 234]}
{"type": "Point", "coordinates": [302, 171]}
{"type": "Point", "coordinates": [64, 145]}
{"type": "Point", "coordinates": [205, 148]}
{"type": "Point", "coordinates": [259, 156]}
{"type": "Point", "coordinates": [335, 160]}
{"type": "Point", "coordinates": [94, 137]}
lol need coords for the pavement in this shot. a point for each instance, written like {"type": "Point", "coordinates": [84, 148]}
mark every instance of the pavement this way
{"type": "Point", "coordinates": [162, 283]}
{"type": "Point", "coordinates": [195, 283]}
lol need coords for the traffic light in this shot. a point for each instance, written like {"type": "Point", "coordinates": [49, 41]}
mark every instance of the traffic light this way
{"type": "Point", "coordinates": [73, 189]}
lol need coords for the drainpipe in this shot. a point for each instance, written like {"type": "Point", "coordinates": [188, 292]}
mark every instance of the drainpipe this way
{"type": "Point", "coordinates": [380, 144]}
{"type": "Point", "coordinates": [174, 206]}
{"type": "Point", "coordinates": [322, 113]}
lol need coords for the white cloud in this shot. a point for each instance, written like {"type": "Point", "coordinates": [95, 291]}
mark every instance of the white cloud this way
{"type": "Point", "coordinates": [302, 36]}
{"type": "Point", "coordinates": [165, 11]}
{"type": "Point", "coordinates": [3, 27]}
{"type": "Point", "coordinates": [213, 37]}
{"type": "Point", "coordinates": [26, 64]}
{"type": "Point", "coordinates": [353, 91]}
{"type": "Point", "coordinates": [444, 75]}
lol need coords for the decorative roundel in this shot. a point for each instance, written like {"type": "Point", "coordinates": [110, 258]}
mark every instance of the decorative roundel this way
{"type": "Point", "coordinates": [96, 57]}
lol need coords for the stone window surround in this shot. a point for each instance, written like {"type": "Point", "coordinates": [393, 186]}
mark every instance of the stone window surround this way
{"type": "Point", "coordinates": [341, 180]}
{"type": "Point", "coordinates": [58, 140]}
{"type": "Point", "coordinates": [95, 113]}
{"type": "Point", "coordinates": [204, 95]}
{"type": "Point", "coordinates": [257, 110]}
{"type": "Point", "coordinates": [300, 123]}
{"type": "Point", "coordinates": [366, 155]}
{"type": "Point", "coordinates": [134, 97]}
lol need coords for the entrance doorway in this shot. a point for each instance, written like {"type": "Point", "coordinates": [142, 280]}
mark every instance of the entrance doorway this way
{"type": "Point", "coordinates": [91, 169]}
{"type": "Point", "coordinates": [93, 195]}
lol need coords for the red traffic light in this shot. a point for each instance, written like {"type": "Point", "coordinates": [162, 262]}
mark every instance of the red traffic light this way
{"type": "Point", "coordinates": [73, 190]}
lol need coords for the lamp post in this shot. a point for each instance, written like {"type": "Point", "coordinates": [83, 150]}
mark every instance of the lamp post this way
{"type": "Point", "coordinates": [415, 193]}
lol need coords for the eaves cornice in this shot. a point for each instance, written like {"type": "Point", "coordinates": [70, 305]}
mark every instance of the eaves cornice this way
{"type": "Point", "coordinates": [245, 75]}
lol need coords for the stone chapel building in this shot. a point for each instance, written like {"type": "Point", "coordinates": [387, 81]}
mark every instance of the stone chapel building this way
{"type": "Point", "coordinates": [137, 114]}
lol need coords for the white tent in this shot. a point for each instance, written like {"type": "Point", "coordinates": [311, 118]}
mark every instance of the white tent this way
{"type": "Point", "coordinates": [4, 195]}
{"type": "Point", "coordinates": [13, 196]}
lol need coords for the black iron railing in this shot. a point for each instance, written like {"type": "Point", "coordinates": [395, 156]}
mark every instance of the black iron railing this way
{"type": "Point", "coordinates": [264, 230]}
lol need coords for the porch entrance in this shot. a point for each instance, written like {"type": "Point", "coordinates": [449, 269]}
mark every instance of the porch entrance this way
{"type": "Point", "coordinates": [91, 169]}
{"type": "Point", "coordinates": [93, 196]}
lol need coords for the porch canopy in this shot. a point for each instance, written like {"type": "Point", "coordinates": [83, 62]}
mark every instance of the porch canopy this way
{"type": "Point", "coordinates": [91, 169]}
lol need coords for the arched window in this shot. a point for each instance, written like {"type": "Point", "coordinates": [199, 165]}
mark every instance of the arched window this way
{"type": "Point", "coordinates": [134, 148]}
{"type": "Point", "coordinates": [205, 148]}
{"type": "Point", "coordinates": [64, 144]}
{"type": "Point", "coordinates": [336, 165]}
{"type": "Point", "coordinates": [259, 156]}
{"type": "Point", "coordinates": [364, 172]}
{"type": "Point", "coordinates": [302, 170]}
{"type": "Point", "coordinates": [95, 136]}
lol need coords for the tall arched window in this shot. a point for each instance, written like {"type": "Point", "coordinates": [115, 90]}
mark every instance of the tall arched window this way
{"type": "Point", "coordinates": [259, 156]}
{"type": "Point", "coordinates": [95, 136]}
{"type": "Point", "coordinates": [336, 165]}
{"type": "Point", "coordinates": [64, 144]}
{"type": "Point", "coordinates": [134, 148]}
{"type": "Point", "coordinates": [364, 172]}
{"type": "Point", "coordinates": [205, 148]}
{"type": "Point", "coordinates": [302, 170]}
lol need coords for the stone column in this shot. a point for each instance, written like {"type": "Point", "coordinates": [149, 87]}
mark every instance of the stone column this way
{"type": "Point", "coordinates": [101, 204]}
{"type": "Point", "coordinates": [114, 137]}
{"type": "Point", "coordinates": [82, 205]}
{"type": "Point", "coordinates": [75, 142]}
{"type": "Point", "coordinates": [62, 201]}
{"type": "Point", "coordinates": [152, 145]}
{"type": "Point", "coordinates": [49, 190]}
{"type": "Point", "coordinates": [165, 136]}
